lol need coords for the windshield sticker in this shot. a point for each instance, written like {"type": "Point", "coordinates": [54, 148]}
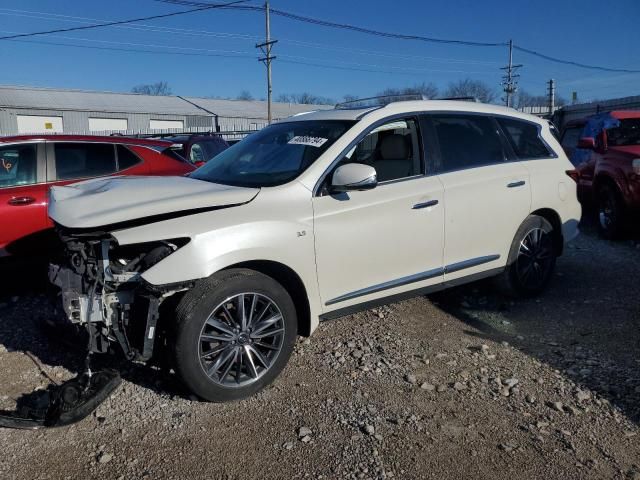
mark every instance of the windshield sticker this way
{"type": "Point", "coordinates": [306, 140]}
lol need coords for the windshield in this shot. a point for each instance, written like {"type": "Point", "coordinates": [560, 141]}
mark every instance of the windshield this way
{"type": "Point", "coordinates": [627, 133]}
{"type": "Point", "coordinates": [273, 156]}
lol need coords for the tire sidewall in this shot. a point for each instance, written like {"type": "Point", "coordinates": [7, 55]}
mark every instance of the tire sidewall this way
{"type": "Point", "coordinates": [188, 334]}
{"type": "Point", "coordinates": [614, 229]}
{"type": "Point", "coordinates": [532, 222]}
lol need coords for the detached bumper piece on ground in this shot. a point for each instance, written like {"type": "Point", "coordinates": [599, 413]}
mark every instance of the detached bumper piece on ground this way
{"type": "Point", "coordinates": [62, 405]}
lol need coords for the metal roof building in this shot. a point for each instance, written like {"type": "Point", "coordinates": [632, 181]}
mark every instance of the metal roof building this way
{"type": "Point", "coordinates": [44, 110]}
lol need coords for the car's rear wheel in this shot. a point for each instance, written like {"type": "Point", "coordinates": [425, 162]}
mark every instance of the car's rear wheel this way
{"type": "Point", "coordinates": [610, 212]}
{"type": "Point", "coordinates": [235, 334]}
{"type": "Point", "coordinates": [532, 258]}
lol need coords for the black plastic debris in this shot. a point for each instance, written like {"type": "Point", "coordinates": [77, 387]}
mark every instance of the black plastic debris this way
{"type": "Point", "coordinates": [63, 404]}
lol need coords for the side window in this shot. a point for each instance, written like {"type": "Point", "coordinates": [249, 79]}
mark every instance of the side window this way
{"type": "Point", "coordinates": [393, 149]}
{"type": "Point", "coordinates": [213, 147]}
{"type": "Point", "coordinates": [571, 136]}
{"type": "Point", "coordinates": [524, 138]}
{"type": "Point", "coordinates": [126, 158]}
{"type": "Point", "coordinates": [18, 165]}
{"type": "Point", "coordinates": [467, 141]}
{"type": "Point", "coordinates": [197, 153]}
{"type": "Point", "coordinates": [80, 160]}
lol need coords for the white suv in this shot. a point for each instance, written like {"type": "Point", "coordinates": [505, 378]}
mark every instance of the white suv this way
{"type": "Point", "coordinates": [313, 217]}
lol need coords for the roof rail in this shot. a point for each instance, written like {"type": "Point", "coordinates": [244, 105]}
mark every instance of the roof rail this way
{"type": "Point", "coordinates": [379, 101]}
{"type": "Point", "coordinates": [382, 100]}
{"type": "Point", "coordinates": [462, 99]}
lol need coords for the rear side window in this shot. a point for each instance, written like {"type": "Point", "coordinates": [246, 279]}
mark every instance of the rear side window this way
{"type": "Point", "coordinates": [18, 165]}
{"type": "Point", "coordinates": [571, 136]}
{"type": "Point", "coordinates": [467, 141]}
{"type": "Point", "coordinates": [524, 138]}
{"type": "Point", "coordinates": [213, 147]}
{"type": "Point", "coordinates": [126, 158]}
{"type": "Point", "coordinates": [80, 160]}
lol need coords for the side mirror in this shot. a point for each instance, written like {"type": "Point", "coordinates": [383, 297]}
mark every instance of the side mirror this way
{"type": "Point", "coordinates": [588, 143]}
{"type": "Point", "coordinates": [353, 176]}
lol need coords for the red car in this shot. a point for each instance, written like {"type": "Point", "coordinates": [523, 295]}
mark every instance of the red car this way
{"type": "Point", "coordinates": [29, 165]}
{"type": "Point", "coordinates": [605, 149]}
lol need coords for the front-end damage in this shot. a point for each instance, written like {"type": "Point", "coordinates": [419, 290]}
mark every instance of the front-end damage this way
{"type": "Point", "coordinates": [102, 289]}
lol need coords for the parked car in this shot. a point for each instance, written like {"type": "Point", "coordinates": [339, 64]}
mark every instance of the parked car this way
{"type": "Point", "coordinates": [30, 165]}
{"type": "Point", "coordinates": [605, 150]}
{"type": "Point", "coordinates": [314, 217]}
{"type": "Point", "coordinates": [198, 148]}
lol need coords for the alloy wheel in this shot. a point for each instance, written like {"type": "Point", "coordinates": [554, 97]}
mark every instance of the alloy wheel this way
{"type": "Point", "coordinates": [241, 339]}
{"type": "Point", "coordinates": [535, 258]}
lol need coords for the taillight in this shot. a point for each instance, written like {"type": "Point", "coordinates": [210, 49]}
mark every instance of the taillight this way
{"type": "Point", "coordinates": [574, 174]}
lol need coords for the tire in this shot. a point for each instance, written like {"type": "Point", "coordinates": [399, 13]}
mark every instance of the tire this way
{"type": "Point", "coordinates": [215, 356]}
{"type": "Point", "coordinates": [528, 274]}
{"type": "Point", "coordinates": [611, 214]}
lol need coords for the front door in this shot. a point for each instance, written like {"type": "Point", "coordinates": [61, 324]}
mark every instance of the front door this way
{"type": "Point", "coordinates": [387, 240]}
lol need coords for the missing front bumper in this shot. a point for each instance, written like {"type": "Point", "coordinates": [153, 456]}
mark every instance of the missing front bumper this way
{"type": "Point", "coordinates": [62, 405]}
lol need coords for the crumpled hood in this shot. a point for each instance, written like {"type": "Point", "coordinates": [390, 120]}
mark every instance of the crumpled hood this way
{"type": "Point", "coordinates": [113, 200]}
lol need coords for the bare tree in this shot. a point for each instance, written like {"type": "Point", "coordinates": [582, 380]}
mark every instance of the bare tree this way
{"type": "Point", "coordinates": [525, 99]}
{"type": "Point", "coordinates": [158, 88]}
{"type": "Point", "coordinates": [471, 88]}
{"type": "Point", "coordinates": [427, 90]}
{"type": "Point", "coordinates": [244, 95]}
{"type": "Point", "coordinates": [304, 98]}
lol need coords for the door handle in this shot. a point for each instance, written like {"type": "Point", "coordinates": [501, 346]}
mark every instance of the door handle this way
{"type": "Point", "coordinates": [430, 203]}
{"type": "Point", "coordinates": [17, 201]}
{"type": "Point", "coordinates": [519, 183]}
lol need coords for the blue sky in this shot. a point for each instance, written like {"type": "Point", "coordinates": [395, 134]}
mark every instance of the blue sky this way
{"type": "Point", "coordinates": [213, 54]}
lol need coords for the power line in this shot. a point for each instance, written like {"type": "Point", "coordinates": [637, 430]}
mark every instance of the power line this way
{"type": "Point", "coordinates": [207, 33]}
{"type": "Point", "coordinates": [369, 31]}
{"type": "Point", "coordinates": [326, 23]}
{"type": "Point", "coordinates": [575, 64]}
{"type": "Point", "coordinates": [290, 59]}
{"type": "Point", "coordinates": [121, 22]}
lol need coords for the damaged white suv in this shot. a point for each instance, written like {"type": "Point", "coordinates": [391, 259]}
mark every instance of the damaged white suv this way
{"type": "Point", "coordinates": [314, 217]}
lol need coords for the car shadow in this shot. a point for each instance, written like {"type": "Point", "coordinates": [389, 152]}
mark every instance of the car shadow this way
{"type": "Point", "coordinates": [586, 325]}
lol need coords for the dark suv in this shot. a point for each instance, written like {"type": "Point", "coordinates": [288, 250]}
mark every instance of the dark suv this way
{"type": "Point", "coordinates": [198, 148]}
{"type": "Point", "coordinates": [605, 149]}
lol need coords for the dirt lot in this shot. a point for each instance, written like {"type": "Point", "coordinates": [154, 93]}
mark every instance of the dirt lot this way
{"type": "Point", "coordinates": [465, 384]}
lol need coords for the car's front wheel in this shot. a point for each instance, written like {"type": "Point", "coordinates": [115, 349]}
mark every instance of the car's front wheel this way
{"type": "Point", "coordinates": [235, 333]}
{"type": "Point", "coordinates": [532, 258]}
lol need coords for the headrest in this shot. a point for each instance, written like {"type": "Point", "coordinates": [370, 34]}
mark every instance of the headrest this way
{"type": "Point", "coordinates": [394, 147]}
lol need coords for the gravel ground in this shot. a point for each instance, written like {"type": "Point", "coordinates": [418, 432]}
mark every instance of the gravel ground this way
{"type": "Point", "coordinates": [463, 384]}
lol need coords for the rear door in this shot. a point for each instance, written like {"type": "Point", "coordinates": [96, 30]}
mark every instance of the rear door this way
{"type": "Point", "coordinates": [486, 194]}
{"type": "Point", "coordinates": [23, 192]}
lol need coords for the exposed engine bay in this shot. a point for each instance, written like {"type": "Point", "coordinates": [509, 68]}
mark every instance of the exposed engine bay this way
{"type": "Point", "coordinates": [102, 290]}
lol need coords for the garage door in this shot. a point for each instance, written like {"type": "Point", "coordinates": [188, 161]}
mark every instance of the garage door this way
{"type": "Point", "coordinates": [102, 124]}
{"type": "Point", "coordinates": [39, 124]}
{"type": "Point", "coordinates": [165, 124]}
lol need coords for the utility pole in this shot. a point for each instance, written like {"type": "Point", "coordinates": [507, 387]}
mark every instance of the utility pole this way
{"type": "Point", "coordinates": [551, 92]}
{"type": "Point", "coordinates": [267, 58]}
{"type": "Point", "coordinates": [509, 80]}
